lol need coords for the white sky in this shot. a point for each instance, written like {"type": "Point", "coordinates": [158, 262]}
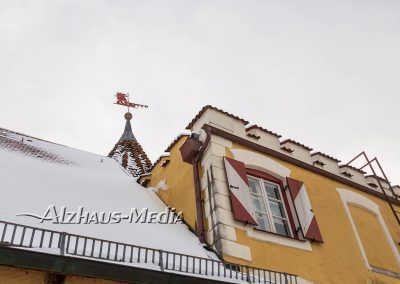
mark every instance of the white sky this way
{"type": "Point", "coordinates": [325, 73]}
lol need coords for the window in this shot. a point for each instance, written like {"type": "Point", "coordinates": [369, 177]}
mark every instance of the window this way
{"type": "Point", "coordinates": [269, 206]}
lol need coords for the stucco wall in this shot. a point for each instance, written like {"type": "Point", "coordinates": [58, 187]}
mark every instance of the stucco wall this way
{"type": "Point", "coordinates": [338, 259]}
{"type": "Point", "coordinates": [377, 249]}
{"type": "Point", "coordinates": [179, 179]}
{"type": "Point", "coordinates": [341, 258]}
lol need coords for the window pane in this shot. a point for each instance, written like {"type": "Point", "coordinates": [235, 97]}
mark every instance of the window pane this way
{"type": "Point", "coordinates": [254, 185]}
{"type": "Point", "coordinates": [277, 209]}
{"type": "Point", "coordinates": [272, 190]}
{"type": "Point", "coordinates": [258, 204]}
{"type": "Point", "coordinates": [263, 222]}
{"type": "Point", "coordinates": [281, 227]}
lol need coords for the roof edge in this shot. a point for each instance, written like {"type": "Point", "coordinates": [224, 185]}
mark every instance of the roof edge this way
{"type": "Point", "coordinates": [296, 143]}
{"type": "Point", "coordinates": [326, 156]}
{"type": "Point", "coordinates": [255, 126]}
{"type": "Point", "coordinates": [205, 108]}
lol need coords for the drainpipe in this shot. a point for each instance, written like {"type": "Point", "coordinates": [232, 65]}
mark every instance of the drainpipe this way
{"type": "Point", "coordinates": [197, 187]}
{"type": "Point", "coordinates": [199, 204]}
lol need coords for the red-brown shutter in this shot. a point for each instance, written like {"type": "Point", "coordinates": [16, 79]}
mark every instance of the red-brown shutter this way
{"type": "Point", "coordinates": [305, 214]}
{"type": "Point", "coordinates": [239, 190]}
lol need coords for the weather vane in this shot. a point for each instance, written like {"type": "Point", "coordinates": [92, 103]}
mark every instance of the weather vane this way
{"type": "Point", "coordinates": [123, 100]}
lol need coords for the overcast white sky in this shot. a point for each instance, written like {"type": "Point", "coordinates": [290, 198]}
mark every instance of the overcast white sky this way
{"type": "Point", "coordinates": [325, 73]}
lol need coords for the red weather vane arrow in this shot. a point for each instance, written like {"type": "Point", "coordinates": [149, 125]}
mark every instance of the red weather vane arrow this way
{"type": "Point", "coordinates": [123, 100]}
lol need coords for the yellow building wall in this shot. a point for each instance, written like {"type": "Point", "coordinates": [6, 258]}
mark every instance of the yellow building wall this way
{"type": "Point", "coordinates": [179, 178]}
{"type": "Point", "coordinates": [373, 240]}
{"type": "Point", "coordinates": [338, 259]}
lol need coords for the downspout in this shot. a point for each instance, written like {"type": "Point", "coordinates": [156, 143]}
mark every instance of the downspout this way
{"type": "Point", "coordinates": [197, 187]}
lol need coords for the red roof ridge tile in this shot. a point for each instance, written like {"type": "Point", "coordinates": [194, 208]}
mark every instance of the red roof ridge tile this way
{"type": "Point", "coordinates": [296, 143]}
{"type": "Point", "coordinates": [326, 156]}
{"type": "Point", "coordinates": [200, 113]}
{"type": "Point", "coordinates": [378, 177]}
{"type": "Point", "coordinates": [255, 126]}
{"type": "Point", "coordinates": [353, 168]}
{"type": "Point", "coordinates": [173, 143]}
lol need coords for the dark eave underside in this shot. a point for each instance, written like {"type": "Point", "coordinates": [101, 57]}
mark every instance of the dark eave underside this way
{"type": "Point", "coordinates": [94, 269]}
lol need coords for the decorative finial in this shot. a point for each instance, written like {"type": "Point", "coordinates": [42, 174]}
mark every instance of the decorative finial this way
{"type": "Point", "coordinates": [123, 100]}
{"type": "Point", "coordinates": [128, 116]}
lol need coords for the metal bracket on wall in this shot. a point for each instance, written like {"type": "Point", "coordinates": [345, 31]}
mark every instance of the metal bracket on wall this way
{"type": "Point", "coordinates": [378, 179]}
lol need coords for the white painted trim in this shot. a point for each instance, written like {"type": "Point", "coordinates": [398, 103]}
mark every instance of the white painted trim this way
{"type": "Point", "coordinates": [227, 232]}
{"type": "Point", "coordinates": [351, 197]}
{"type": "Point", "coordinates": [267, 204]}
{"type": "Point", "coordinates": [303, 281]}
{"type": "Point", "coordinates": [275, 239]}
{"type": "Point", "coordinates": [260, 162]}
{"type": "Point", "coordinates": [265, 164]}
{"type": "Point", "coordinates": [236, 250]}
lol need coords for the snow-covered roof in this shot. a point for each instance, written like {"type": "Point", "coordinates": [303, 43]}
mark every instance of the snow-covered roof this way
{"type": "Point", "coordinates": [36, 174]}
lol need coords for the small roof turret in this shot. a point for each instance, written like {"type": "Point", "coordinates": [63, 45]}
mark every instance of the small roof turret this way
{"type": "Point", "coordinates": [128, 151]}
{"type": "Point", "coordinates": [128, 134]}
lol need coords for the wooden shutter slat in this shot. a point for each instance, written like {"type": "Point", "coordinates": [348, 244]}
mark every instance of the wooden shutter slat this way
{"type": "Point", "coordinates": [239, 190]}
{"type": "Point", "coordinates": [308, 222]}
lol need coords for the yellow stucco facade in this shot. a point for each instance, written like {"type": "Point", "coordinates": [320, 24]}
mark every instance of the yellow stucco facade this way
{"type": "Point", "coordinates": [337, 260]}
{"type": "Point", "coordinates": [373, 240]}
{"type": "Point", "coordinates": [179, 179]}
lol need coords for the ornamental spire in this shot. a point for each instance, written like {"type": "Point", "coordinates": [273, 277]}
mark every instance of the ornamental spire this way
{"type": "Point", "coordinates": [128, 134]}
{"type": "Point", "coordinates": [128, 151]}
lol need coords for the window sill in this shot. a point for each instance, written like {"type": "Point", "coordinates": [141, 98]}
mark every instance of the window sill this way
{"type": "Point", "coordinates": [279, 235]}
{"type": "Point", "coordinates": [277, 239]}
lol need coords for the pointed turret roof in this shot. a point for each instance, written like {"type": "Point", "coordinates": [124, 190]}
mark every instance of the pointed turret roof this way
{"type": "Point", "coordinates": [128, 134]}
{"type": "Point", "coordinates": [129, 153]}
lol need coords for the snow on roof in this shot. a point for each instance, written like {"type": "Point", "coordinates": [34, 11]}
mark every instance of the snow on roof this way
{"type": "Point", "coordinates": [164, 155]}
{"type": "Point", "coordinates": [30, 184]}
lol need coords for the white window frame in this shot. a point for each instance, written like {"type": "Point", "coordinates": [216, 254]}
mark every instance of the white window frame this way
{"type": "Point", "coordinates": [267, 205]}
